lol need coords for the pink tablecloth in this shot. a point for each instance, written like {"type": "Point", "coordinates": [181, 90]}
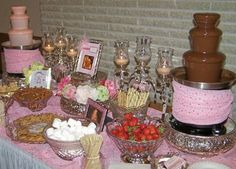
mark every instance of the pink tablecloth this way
{"type": "Point", "coordinates": [111, 153]}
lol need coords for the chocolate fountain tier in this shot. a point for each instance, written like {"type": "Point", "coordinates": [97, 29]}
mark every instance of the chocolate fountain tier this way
{"type": "Point", "coordinates": [202, 67]}
{"type": "Point", "coordinates": [227, 80]}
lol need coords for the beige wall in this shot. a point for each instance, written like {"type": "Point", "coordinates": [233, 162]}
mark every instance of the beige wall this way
{"type": "Point", "coordinates": [33, 10]}
{"type": "Point", "coordinates": [167, 21]}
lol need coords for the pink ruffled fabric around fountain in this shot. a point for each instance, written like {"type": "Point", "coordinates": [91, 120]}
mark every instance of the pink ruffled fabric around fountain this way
{"type": "Point", "coordinates": [16, 59]}
{"type": "Point", "coordinates": [201, 107]}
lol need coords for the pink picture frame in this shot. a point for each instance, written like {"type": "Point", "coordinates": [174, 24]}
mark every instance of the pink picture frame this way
{"type": "Point", "coordinates": [89, 58]}
{"type": "Point", "coordinates": [96, 113]}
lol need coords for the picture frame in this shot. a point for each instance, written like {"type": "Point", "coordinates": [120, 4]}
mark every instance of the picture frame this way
{"type": "Point", "coordinates": [96, 113]}
{"type": "Point", "coordinates": [89, 57]}
{"type": "Point", "coordinates": [40, 78]}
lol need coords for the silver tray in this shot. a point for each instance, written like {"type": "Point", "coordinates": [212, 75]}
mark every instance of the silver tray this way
{"type": "Point", "coordinates": [228, 79]}
{"type": "Point", "coordinates": [203, 146]}
{"type": "Point", "coordinates": [36, 44]}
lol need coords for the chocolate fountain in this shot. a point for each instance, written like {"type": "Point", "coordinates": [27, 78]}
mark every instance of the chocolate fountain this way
{"type": "Point", "coordinates": [203, 71]}
{"type": "Point", "coordinates": [204, 63]}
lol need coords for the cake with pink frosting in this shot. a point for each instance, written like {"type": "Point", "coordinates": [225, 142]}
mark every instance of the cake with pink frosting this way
{"type": "Point", "coordinates": [201, 107]}
{"type": "Point", "coordinates": [20, 34]}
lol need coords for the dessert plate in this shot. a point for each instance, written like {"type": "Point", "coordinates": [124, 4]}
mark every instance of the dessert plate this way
{"type": "Point", "coordinates": [208, 165]}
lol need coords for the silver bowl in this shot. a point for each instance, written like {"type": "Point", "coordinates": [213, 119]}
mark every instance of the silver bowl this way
{"type": "Point", "coordinates": [204, 146]}
{"type": "Point", "coordinates": [67, 150]}
{"type": "Point", "coordinates": [133, 151]}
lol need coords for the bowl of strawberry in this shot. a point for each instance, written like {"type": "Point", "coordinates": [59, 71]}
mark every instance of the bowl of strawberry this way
{"type": "Point", "coordinates": [137, 139]}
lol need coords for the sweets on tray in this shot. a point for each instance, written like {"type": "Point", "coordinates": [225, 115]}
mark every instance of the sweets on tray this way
{"type": "Point", "coordinates": [30, 128]}
{"type": "Point", "coordinates": [33, 98]}
{"type": "Point", "coordinates": [6, 88]}
{"type": "Point", "coordinates": [132, 98]}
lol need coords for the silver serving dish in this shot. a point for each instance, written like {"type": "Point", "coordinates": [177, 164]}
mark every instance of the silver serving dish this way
{"type": "Point", "coordinates": [204, 146]}
{"type": "Point", "coordinates": [36, 44]}
{"type": "Point", "coordinates": [81, 78]}
{"type": "Point", "coordinates": [228, 79]}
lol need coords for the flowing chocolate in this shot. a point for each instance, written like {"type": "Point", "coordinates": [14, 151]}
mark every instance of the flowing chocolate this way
{"type": "Point", "coordinates": [203, 62]}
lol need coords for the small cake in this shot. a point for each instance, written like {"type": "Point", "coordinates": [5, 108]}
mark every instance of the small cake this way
{"type": "Point", "coordinates": [20, 34]}
{"type": "Point", "coordinates": [201, 107]}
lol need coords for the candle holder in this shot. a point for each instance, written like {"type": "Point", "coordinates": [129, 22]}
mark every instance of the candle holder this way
{"type": "Point", "coordinates": [121, 61]}
{"type": "Point", "coordinates": [60, 69]}
{"type": "Point", "coordinates": [141, 78]}
{"type": "Point", "coordinates": [164, 79]}
{"type": "Point", "coordinates": [49, 47]}
{"type": "Point", "coordinates": [72, 53]}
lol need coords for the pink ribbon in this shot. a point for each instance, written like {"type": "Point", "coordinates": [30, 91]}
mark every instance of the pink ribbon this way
{"type": "Point", "coordinates": [16, 59]}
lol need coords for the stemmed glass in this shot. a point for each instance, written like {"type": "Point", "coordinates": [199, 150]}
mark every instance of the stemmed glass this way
{"type": "Point", "coordinates": [60, 69]}
{"type": "Point", "coordinates": [164, 66]}
{"type": "Point", "coordinates": [48, 47]}
{"type": "Point", "coordinates": [121, 60]}
{"type": "Point", "coordinates": [141, 79]}
{"type": "Point", "coordinates": [72, 52]}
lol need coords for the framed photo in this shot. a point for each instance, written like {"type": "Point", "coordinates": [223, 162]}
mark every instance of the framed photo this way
{"type": "Point", "coordinates": [89, 58]}
{"type": "Point", "coordinates": [97, 113]}
{"type": "Point", "coordinates": [40, 78]}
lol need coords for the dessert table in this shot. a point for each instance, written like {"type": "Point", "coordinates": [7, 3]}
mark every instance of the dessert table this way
{"type": "Point", "coordinates": [15, 155]}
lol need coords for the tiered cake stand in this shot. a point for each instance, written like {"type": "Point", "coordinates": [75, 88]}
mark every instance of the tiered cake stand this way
{"type": "Point", "coordinates": [203, 145]}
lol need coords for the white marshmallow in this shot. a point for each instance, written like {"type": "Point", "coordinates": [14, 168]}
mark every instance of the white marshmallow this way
{"type": "Point", "coordinates": [78, 135]}
{"type": "Point", "coordinates": [92, 125]}
{"type": "Point", "coordinates": [70, 130]}
{"type": "Point", "coordinates": [78, 123]}
{"type": "Point", "coordinates": [56, 123]}
{"type": "Point", "coordinates": [91, 131]}
{"type": "Point", "coordinates": [50, 131]}
{"type": "Point", "coordinates": [63, 124]}
{"type": "Point", "coordinates": [79, 128]}
{"type": "Point", "coordinates": [85, 130]}
{"type": "Point", "coordinates": [67, 136]}
{"type": "Point", "coordinates": [57, 134]}
{"type": "Point", "coordinates": [72, 122]}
